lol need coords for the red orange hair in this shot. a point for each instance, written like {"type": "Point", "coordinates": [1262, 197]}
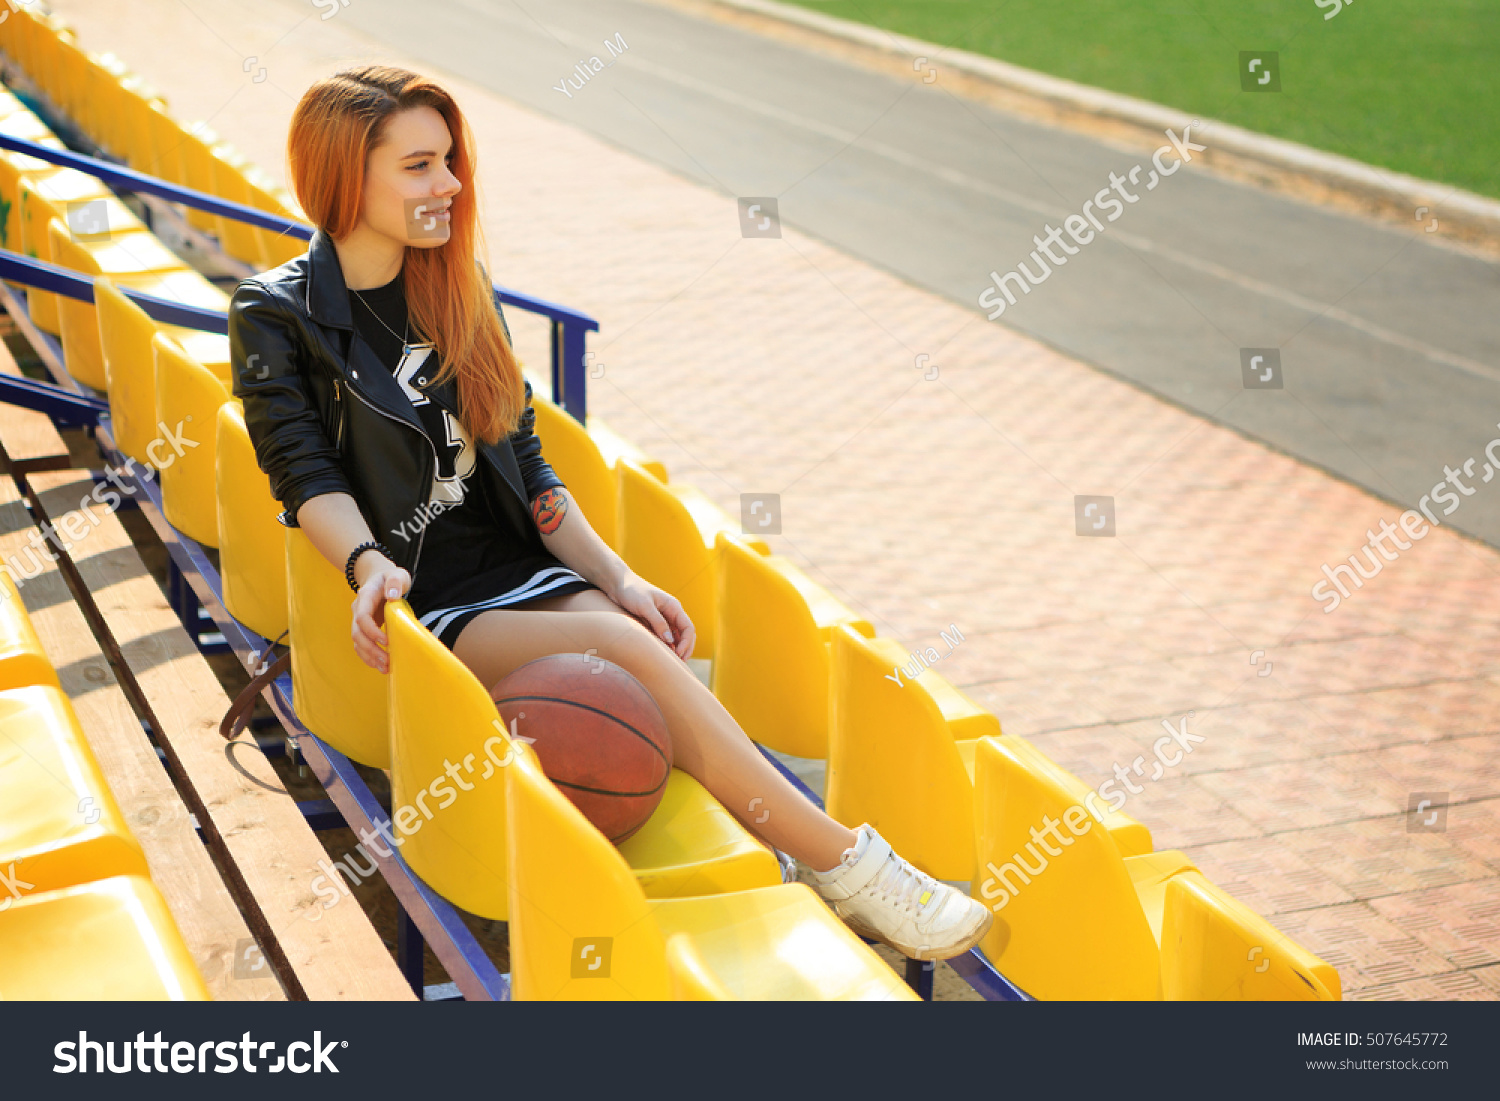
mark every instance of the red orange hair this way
{"type": "Point", "coordinates": [339, 120]}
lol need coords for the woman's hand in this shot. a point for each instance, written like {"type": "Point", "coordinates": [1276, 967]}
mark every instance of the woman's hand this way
{"type": "Point", "coordinates": [660, 611]}
{"type": "Point", "coordinates": [384, 581]}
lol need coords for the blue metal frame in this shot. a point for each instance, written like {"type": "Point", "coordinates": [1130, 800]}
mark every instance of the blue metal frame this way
{"type": "Point", "coordinates": [47, 276]}
{"type": "Point", "coordinates": [570, 327]}
{"type": "Point", "coordinates": [66, 408]}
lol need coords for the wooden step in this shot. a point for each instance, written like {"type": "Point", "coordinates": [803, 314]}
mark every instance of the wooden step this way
{"type": "Point", "coordinates": [180, 866]}
{"type": "Point", "coordinates": [28, 439]}
{"type": "Point", "coordinates": [271, 855]}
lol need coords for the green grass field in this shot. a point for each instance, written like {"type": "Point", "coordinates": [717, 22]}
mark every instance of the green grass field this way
{"type": "Point", "coordinates": [1412, 85]}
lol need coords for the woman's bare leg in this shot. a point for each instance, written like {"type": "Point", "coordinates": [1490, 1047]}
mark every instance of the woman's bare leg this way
{"type": "Point", "coordinates": [707, 743]}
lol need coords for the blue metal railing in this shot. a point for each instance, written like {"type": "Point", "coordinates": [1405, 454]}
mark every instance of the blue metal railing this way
{"type": "Point", "coordinates": [570, 327]}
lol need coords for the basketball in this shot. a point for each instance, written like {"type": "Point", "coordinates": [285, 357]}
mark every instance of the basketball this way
{"type": "Point", "coordinates": [596, 732]}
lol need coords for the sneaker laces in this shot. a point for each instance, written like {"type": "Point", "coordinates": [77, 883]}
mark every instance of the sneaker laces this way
{"type": "Point", "coordinates": [903, 884]}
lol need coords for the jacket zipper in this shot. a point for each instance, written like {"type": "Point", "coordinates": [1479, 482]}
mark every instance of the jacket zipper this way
{"type": "Point", "coordinates": [338, 413]}
{"type": "Point", "coordinates": [427, 481]}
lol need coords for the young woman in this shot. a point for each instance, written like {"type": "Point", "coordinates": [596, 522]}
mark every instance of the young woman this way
{"type": "Point", "coordinates": [389, 412]}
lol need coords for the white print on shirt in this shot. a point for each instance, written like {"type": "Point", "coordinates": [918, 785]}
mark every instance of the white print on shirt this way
{"type": "Point", "coordinates": [456, 458]}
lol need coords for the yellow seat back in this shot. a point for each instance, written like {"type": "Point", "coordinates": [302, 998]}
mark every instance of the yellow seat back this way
{"type": "Point", "coordinates": [38, 210]}
{"type": "Point", "coordinates": [570, 451]}
{"type": "Point", "coordinates": [1067, 926]}
{"type": "Point", "coordinates": [188, 396]}
{"type": "Point", "coordinates": [59, 822]}
{"type": "Point", "coordinates": [1131, 837]}
{"type": "Point", "coordinates": [457, 843]}
{"type": "Point", "coordinates": [892, 761]}
{"type": "Point", "coordinates": [13, 166]}
{"type": "Point", "coordinates": [770, 659]}
{"type": "Point", "coordinates": [109, 940]}
{"type": "Point", "coordinates": [134, 122]}
{"type": "Point", "coordinates": [252, 543]}
{"type": "Point", "coordinates": [239, 239]}
{"type": "Point", "coordinates": [338, 697]}
{"type": "Point", "coordinates": [659, 540]}
{"type": "Point", "coordinates": [77, 321]}
{"type": "Point", "coordinates": [1215, 948]}
{"type": "Point", "coordinates": [23, 660]}
{"type": "Point", "coordinates": [691, 977]}
{"type": "Point", "coordinates": [575, 907]}
{"type": "Point", "coordinates": [197, 141]}
{"type": "Point", "coordinates": [125, 334]}
{"type": "Point", "coordinates": [72, 76]}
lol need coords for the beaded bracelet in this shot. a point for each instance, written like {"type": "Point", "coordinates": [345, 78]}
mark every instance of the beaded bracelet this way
{"type": "Point", "coordinates": [354, 556]}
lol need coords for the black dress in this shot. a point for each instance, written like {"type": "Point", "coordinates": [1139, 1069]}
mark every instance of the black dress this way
{"type": "Point", "coordinates": [468, 564]}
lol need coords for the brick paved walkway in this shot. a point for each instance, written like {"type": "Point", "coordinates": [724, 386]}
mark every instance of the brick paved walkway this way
{"type": "Point", "coordinates": [783, 366]}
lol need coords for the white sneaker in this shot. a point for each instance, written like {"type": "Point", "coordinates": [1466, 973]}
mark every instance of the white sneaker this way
{"type": "Point", "coordinates": [881, 896]}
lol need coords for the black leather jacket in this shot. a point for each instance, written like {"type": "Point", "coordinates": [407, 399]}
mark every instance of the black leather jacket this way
{"type": "Point", "coordinates": [326, 416]}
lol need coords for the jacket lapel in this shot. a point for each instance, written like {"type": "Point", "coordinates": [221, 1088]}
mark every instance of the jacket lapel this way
{"type": "Point", "coordinates": [328, 304]}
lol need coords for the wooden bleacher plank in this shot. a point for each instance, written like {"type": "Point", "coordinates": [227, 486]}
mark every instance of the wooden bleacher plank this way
{"type": "Point", "coordinates": [180, 865]}
{"type": "Point", "coordinates": [237, 795]}
{"type": "Point", "coordinates": [28, 439]}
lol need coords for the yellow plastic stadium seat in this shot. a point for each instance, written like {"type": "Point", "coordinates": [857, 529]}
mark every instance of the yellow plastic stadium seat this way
{"type": "Point", "coordinates": [23, 661]}
{"type": "Point", "coordinates": [231, 172]}
{"type": "Point", "coordinates": [132, 122]}
{"type": "Point", "coordinates": [1215, 948]}
{"type": "Point", "coordinates": [1131, 837]}
{"type": "Point", "coordinates": [575, 457]}
{"type": "Point", "coordinates": [59, 824]}
{"type": "Point", "coordinates": [110, 76]}
{"type": "Point", "coordinates": [275, 248]}
{"type": "Point", "coordinates": [893, 762]}
{"type": "Point", "coordinates": [966, 720]}
{"type": "Point", "coordinates": [658, 539]}
{"type": "Point", "coordinates": [690, 845]}
{"type": "Point", "coordinates": [83, 351]}
{"type": "Point", "coordinates": [40, 201]}
{"type": "Point", "coordinates": [72, 63]}
{"type": "Point", "coordinates": [772, 629]}
{"type": "Point", "coordinates": [1073, 918]}
{"type": "Point", "coordinates": [51, 27]}
{"type": "Point", "coordinates": [613, 447]}
{"type": "Point", "coordinates": [78, 321]}
{"type": "Point", "coordinates": [166, 142]}
{"type": "Point", "coordinates": [12, 167]}
{"type": "Point", "coordinates": [188, 396]}
{"type": "Point", "coordinates": [125, 332]}
{"type": "Point", "coordinates": [110, 940]}
{"type": "Point", "coordinates": [25, 125]}
{"type": "Point", "coordinates": [692, 981]}
{"type": "Point", "coordinates": [582, 929]}
{"type": "Point", "coordinates": [339, 698]}
{"type": "Point", "coordinates": [198, 141]}
{"type": "Point", "coordinates": [252, 544]}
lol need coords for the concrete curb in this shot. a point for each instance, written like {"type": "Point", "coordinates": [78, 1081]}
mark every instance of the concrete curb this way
{"type": "Point", "coordinates": [1391, 190]}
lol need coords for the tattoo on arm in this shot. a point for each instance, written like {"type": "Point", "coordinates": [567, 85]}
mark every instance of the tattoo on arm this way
{"type": "Point", "coordinates": [548, 510]}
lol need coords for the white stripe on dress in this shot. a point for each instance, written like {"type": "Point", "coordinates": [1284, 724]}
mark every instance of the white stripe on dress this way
{"type": "Point", "coordinates": [541, 583]}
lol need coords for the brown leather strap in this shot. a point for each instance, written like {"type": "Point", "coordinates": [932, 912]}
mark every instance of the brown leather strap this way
{"type": "Point", "coordinates": [238, 715]}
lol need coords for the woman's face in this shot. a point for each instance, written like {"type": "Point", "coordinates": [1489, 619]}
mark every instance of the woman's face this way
{"type": "Point", "coordinates": [408, 186]}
